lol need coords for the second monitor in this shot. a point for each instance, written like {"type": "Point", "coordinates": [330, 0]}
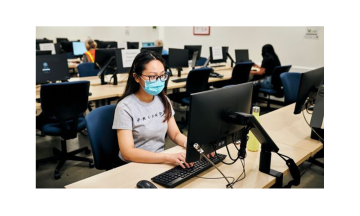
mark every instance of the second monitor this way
{"type": "Point", "coordinates": [242, 55]}
{"type": "Point", "coordinates": [224, 51]}
{"type": "Point", "coordinates": [178, 58]}
{"type": "Point", "coordinates": [192, 49]}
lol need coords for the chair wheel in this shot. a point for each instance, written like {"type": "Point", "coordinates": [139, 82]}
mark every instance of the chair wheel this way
{"type": "Point", "coordinates": [87, 151]}
{"type": "Point", "coordinates": [57, 176]}
{"type": "Point", "coordinates": [91, 165]}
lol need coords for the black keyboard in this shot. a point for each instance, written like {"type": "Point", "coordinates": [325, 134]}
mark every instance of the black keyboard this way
{"type": "Point", "coordinates": [180, 80]}
{"type": "Point", "coordinates": [216, 75]}
{"type": "Point", "coordinates": [178, 175]}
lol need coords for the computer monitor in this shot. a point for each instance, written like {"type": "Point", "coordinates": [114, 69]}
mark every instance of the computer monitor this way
{"type": "Point", "coordinates": [148, 44]}
{"type": "Point", "coordinates": [79, 48]}
{"type": "Point", "coordinates": [178, 58]}
{"type": "Point", "coordinates": [40, 41]}
{"type": "Point", "coordinates": [155, 49]}
{"type": "Point", "coordinates": [47, 46]}
{"type": "Point", "coordinates": [133, 45]}
{"type": "Point", "coordinates": [224, 55]}
{"type": "Point", "coordinates": [242, 55]}
{"type": "Point", "coordinates": [207, 125]}
{"type": "Point", "coordinates": [192, 49]}
{"type": "Point", "coordinates": [106, 44]}
{"type": "Point", "coordinates": [308, 89]}
{"type": "Point", "coordinates": [119, 61]}
{"type": "Point", "coordinates": [43, 52]}
{"type": "Point", "coordinates": [51, 68]}
{"type": "Point", "coordinates": [102, 56]}
{"type": "Point", "coordinates": [222, 116]}
{"type": "Point", "coordinates": [59, 40]}
{"type": "Point", "coordinates": [67, 46]}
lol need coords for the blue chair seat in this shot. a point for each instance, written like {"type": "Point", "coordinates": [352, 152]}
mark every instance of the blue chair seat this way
{"type": "Point", "coordinates": [268, 91]}
{"type": "Point", "coordinates": [186, 101]}
{"type": "Point", "coordinates": [54, 129]}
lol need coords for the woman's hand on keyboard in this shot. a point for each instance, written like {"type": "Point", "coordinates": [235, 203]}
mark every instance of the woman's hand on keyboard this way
{"type": "Point", "coordinates": [212, 154]}
{"type": "Point", "coordinates": [179, 158]}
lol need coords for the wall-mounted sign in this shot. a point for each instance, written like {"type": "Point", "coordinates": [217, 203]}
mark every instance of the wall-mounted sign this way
{"type": "Point", "coordinates": [201, 30]}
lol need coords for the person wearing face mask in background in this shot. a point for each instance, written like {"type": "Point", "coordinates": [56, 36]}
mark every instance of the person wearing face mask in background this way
{"type": "Point", "coordinates": [144, 115]}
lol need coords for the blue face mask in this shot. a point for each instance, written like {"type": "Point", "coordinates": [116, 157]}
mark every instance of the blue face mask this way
{"type": "Point", "coordinates": [153, 88]}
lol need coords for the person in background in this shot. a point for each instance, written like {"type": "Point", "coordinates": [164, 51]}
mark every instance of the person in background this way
{"type": "Point", "coordinates": [89, 55]}
{"type": "Point", "coordinates": [160, 43]}
{"type": "Point", "coordinates": [269, 62]}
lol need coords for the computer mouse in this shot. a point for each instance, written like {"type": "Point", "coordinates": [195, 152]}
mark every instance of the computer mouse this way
{"type": "Point", "coordinates": [145, 184]}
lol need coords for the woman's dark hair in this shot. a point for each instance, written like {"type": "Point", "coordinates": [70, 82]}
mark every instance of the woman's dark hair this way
{"type": "Point", "coordinates": [269, 52]}
{"type": "Point", "coordinates": [137, 67]}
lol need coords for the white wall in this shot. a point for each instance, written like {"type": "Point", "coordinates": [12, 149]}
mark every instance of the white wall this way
{"type": "Point", "coordinates": [289, 43]}
{"type": "Point", "coordinates": [106, 33]}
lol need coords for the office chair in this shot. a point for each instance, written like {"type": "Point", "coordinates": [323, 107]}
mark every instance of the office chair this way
{"type": "Point", "coordinates": [291, 82]}
{"type": "Point", "coordinates": [201, 61]}
{"type": "Point", "coordinates": [240, 74]}
{"type": "Point", "coordinates": [277, 90]}
{"type": "Point", "coordinates": [63, 104]}
{"type": "Point", "coordinates": [197, 81]}
{"type": "Point", "coordinates": [87, 69]}
{"type": "Point", "coordinates": [103, 138]}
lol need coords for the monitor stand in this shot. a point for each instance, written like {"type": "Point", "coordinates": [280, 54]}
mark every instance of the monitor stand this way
{"type": "Point", "coordinates": [179, 71]}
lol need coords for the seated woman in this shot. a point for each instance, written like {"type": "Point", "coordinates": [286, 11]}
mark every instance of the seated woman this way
{"type": "Point", "coordinates": [160, 43]}
{"type": "Point", "coordinates": [144, 115]}
{"type": "Point", "coordinates": [89, 56]}
{"type": "Point", "coordinates": [270, 61]}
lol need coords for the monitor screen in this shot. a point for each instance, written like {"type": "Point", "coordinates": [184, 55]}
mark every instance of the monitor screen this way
{"type": "Point", "coordinates": [148, 44]}
{"type": "Point", "coordinates": [178, 58]}
{"type": "Point", "coordinates": [79, 48]}
{"type": "Point", "coordinates": [48, 46]}
{"type": "Point", "coordinates": [106, 44]}
{"type": "Point", "coordinates": [155, 49]}
{"type": "Point", "coordinates": [192, 49]}
{"type": "Point", "coordinates": [133, 45]}
{"type": "Point", "coordinates": [59, 40]}
{"type": "Point", "coordinates": [51, 68]}
{"type": "Point", "coordinates": [242, 55]}
{"type": "Point", "coordinates": [308, 89]}
{"type": "Point", "coordinates": [208, 110]}
{"type": "Point", "coordinates": [224, 55]}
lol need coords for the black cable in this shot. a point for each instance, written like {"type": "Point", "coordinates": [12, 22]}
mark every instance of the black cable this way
{"type": "Point", "coordinates": [222, 161]}
{"type": "Point", "coordinates": [243, 173]}
{"type": "Point", "coordinates": [217, 178]}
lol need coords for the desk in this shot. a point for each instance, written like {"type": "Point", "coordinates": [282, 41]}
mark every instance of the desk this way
{"type": "Point", "coordinates": [286, 128]}
{"type": "Point", "coordinates": [128, 175]}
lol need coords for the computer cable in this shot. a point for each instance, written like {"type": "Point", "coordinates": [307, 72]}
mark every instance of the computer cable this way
{"type": "Point", "coordinates": [217, 178]}
{"type": "Point", "coordinates": [243, 173]}
{"type": "Point", "coordinates": [197, 147]}
{"type": "Point", "coordinates": [222, 161]}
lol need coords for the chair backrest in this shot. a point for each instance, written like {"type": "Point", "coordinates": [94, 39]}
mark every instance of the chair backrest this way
{"type": "Point", "coordinates": [103, 138]}
{"type": "Point", "coordinates": [197, 80]}
{"type": "Point", "coordinates": [275, 77]}
{"type": "Point", "coordinates": [65, 102]}
{"type": "Point", "coordinates": [87, 69]}
{"type": "Point", "coordinates": [291, 83]}
{"type": "Point", "coordinates": [201, 61]}
{"type": "Point", "coordinates": [241, 72]}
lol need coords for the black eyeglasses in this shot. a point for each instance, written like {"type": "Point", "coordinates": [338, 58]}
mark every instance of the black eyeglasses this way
{"type": "Point", "coordinates": [162, 77]}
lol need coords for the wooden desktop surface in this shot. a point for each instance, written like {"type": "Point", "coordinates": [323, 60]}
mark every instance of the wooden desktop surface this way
{"type": "Point", "coordinates": [128, 175]}
{"type": "Point", "coordinates": [286, 128]}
